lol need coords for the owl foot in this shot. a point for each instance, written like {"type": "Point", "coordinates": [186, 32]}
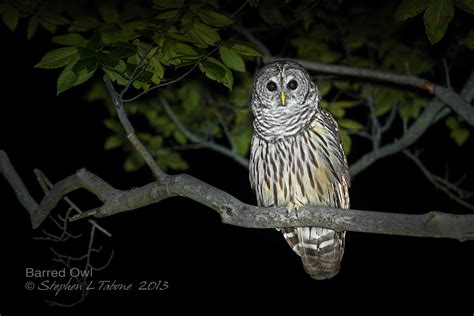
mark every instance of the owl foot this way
{"type": "Point", "coordinates": [292, 213]}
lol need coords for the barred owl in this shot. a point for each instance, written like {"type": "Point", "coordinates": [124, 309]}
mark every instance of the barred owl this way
{"type": "Point", "coordinates": [297, 159]}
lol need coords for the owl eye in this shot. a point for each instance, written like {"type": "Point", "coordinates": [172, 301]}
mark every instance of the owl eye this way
{"type": "Point", "coordinates": [292, 85]}
{"type": "Point", "coordinates": [271, 86]}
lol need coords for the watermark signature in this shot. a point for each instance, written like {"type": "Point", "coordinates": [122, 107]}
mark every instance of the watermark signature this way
{"type": "Point", "coordinates": [65, 280]}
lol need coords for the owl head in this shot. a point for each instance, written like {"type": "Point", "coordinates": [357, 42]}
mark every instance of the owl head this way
{"type": "Point", "coordinates": [284, 99]}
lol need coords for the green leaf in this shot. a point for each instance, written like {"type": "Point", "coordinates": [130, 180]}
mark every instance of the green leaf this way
{"type": "Point", "coordinates": [95, 40]}
{"type": "Point", "coordinates": [254, 3]}
{"type": "Point", "coordinates": [215, 70]}
{"type": "Point", "coordinates": [179, 137]}
{"type": "Point", "coordinates": [346, 141]}
{"type": "Point", "coordinates": [48, 26]}
{"type": "Point", "coordinates": [167, 15]}
{"type": "Point", "coordinates": [350, 124]}
{"type": "Point", "coordinates": [169, 4]}
{"type": "Point", "coordinates": [83, 24]}
{"type": "Point", "coordinates": [155, 142]}
{"type": "Point", "coordinates": [122, 51]}
{"type": "Point", "coordinates": [452, 123]}
{"type": "Point", "coordinates": [182, 49]}
{"type": "Point", "coordinates": [115, 76]}
{"type": "Point", "coordinates": [191, 95]}
{"type": "Point", "coordinates": [410, 8]}
{"type": "Point", "coordinates": [324, 86]}
{"type": "Point", "coordinates": [109, 14]}
{"type": "Point", "coordinates": [465, 5]}
{"type": "Point", "coordinates": [32, 27]}
{"type": "Point", "coordinates": [231, 59]}
{"type": "Point", "coordinates": [84, 69]}
{"type": "Point", "coordinates": [458, 133]}
{"type": "Point", "coordinates": [242, 139]}
{"type": "Point", "coordinates": [133, 162]}
{"type": "Point", "coordinates": [410, 109]}
{"type": "Point", "coordinates": [346, 104]}
{"type": "Point", "coordinates": [58, 58]}
{"type": "Point", "coordinates": [469, 40]}
{"type": "Point", "coordinates": [66, 79]}
{"type": "Point", "coordinates": [112, 142]}
{"type": "Point", "coordinates": [335, 110]}
{"type": "Point", "coordinates": [10, 17]}
{"type": "Point", "coordinates": [71, 39]}
{"type": "Point", "coordinates": [158, 70]}
{"type": "Point", "coordinates": [240, 47]}
{"type": "Point", "coordinates": [170, 159]}
{"type": "Point", "coordinates": [437, 17]}
{"type": "Point", "coordinates": [54, 18]}
{"type": "Point", "coordinates": [205, 33]}
{"type": "Point", "coordinates": [75, 74]}
{"type": "Point", "coordinates": [212, 18]}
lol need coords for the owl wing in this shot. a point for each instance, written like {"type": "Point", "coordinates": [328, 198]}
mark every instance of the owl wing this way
{"type": "Point", "coordinates": [308, 168]}
{"type": "Point", "coordinates": [321, 249]}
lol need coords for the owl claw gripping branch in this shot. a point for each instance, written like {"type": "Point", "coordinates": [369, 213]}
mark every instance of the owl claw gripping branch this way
{"type": "Point", "coordinates": [296, 159]}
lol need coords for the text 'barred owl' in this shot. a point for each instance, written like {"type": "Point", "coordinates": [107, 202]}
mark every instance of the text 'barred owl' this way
{"type": "Point", "coordinates": [297, 158]}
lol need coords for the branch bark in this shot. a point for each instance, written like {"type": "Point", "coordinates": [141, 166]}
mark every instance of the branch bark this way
{"type": "Point", "coordinates": [21, 192]}
{"type": "Point", "coordinates": [132, 137]}
{"type": "Point", "coordinates": [198, 140]}
{"type": "Point", "coordinates": [416, 130]}
{"type": "Point", "coordinates": [235, 212]}
{"type": "Point", "coordinates": [433, 112]}
{"type": "Point", "coordinates": [448, 96]}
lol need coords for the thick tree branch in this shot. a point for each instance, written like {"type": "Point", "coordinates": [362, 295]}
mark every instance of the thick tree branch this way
{"type": "Point", "coordinates": [412, 81]}
{"type": "Point", "coordinates": [132, 137]}
{"type": "Point", "coordinates": [235, 212]}
{"type": "Point", "coordinates": [416, 130]}
{"type": "Point", "coordinates": [433, 112]}
{"type": "Point", "coordinates": [448, 96]}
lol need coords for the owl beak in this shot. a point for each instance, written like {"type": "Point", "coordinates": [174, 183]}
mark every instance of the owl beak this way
{"type": "Point", "coordinates": [282, 96]}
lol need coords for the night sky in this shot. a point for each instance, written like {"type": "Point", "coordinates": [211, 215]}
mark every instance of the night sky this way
{"type": "Point", "coordinates": [206, 263]}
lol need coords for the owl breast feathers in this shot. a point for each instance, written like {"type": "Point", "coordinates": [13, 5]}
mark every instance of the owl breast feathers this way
{"type": "Point", "coordinates": [296, 159]}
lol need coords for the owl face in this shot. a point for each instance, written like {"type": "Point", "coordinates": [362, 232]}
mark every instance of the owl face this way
{"type": "Point", "coordinates": [282, 84]}
{"type": "Point", "coordinates": [283, 98]}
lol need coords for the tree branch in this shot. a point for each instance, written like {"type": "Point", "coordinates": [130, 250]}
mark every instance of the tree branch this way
{"type": "Point", "coordinates": [235, 212]}
{"type": "Point", "coordinates": [450, 189]}
{"type": "Point", "coordinates": [433, 112]}
{"type": "Point", "coordinates": [132, 137]}
{"type": "Point", "coordinates": [21, 192]}
{"type": "Point", "coordinates": [448, 96]}
{"type": "Point", "coordinates": [198, 140]}
{"type": "Point", "coordinates": [415, 131]}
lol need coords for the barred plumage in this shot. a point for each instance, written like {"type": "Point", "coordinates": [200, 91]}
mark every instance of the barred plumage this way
{"type": "Point", "coordinates": [297, 159]}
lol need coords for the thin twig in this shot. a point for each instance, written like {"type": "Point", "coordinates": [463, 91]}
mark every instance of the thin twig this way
{"type": "Point", "coordinates": [413, 133]}
{"type": "Point", "coordinates": [450, 189]}
{"type": "Point", "coordinates": [46, 185]}
{"type": "Point", "coordinates": [132, 137]}
{"type": "Point", "coordinates": [225, 128]}
{"type": "Point", "coordinates": [198, 140]}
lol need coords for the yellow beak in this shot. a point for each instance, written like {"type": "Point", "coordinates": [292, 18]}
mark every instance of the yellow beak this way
{"type": "Point", "coordinates": [282, 96]}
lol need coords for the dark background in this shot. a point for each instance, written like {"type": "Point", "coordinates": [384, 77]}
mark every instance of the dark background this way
{"type": "Point", "coordinates": [206, 263]}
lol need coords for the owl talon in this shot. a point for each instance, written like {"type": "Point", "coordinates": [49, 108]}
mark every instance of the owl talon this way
{"type": "Point", "coordinates": [292, 213]}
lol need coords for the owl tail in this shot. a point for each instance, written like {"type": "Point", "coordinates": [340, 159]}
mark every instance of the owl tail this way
{"type": "Point", "coordinates": [320, 249]}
